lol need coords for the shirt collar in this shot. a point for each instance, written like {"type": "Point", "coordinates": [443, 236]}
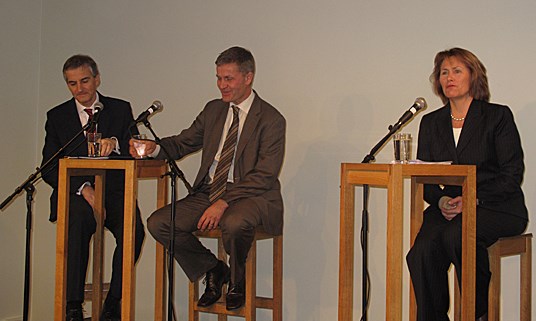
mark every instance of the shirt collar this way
{"type": "Point", "coordinates": [81, 108]}
{"type": "Point", "coordinates": [246, 104]}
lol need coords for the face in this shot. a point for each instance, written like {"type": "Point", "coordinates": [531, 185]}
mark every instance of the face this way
{"type": "Point", "coordinates": [82, 85]}
{"type": "Point", "coordinates": [455, 78]}
{"type": "Point", "coordinates": [234, 86]}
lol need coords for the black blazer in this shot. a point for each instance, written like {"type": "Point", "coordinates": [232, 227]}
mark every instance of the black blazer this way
{"type": "Point", "coordinates": [490, 140]}
{"type": "Point", "coordinates": [63, 124]}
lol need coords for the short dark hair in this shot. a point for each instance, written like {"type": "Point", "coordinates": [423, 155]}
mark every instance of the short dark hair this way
{"type": "Point", "coordinates": [242, 57]}
{"type": "Point", "coordinates": [478, 88]}
{"type": "Point", "coordinates": [78, 61]}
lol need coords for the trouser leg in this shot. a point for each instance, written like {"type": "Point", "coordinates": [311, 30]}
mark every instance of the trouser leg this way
{"type": "Point", "coordinates": [115, 223]}
{"type": "Point", "coordinates": [193, 257]}
{"type": "Point", "coordinates": [238, 232]}
{"type": "Point", "coordinates": [82, 226]}
{"type": "Point", "coordinates": [428, 265]}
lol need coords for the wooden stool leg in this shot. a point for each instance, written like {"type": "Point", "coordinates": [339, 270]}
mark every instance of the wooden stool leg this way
{"type": "Point", "coordinates": [193, 288]}
{"type": "Point", "coordinates": [250, 306]}
{"type": "Point", "coordinates": [222, 255]}
{"type": "Point", "coordinates": [526, 281]}
{"type": "Point", "coordinates": [494, 300]}
{"type": "Point", "coordinates": [98, 248]}
{"type": "Point", "coordinates": [277, 292]}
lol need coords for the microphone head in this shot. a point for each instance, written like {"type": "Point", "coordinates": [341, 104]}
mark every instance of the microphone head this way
{"type": "Point", "coordinates": [157, 105]}
{"type": "Point", "coordinates": [98, 106]}
{"type": "Point", "coordinates": [420, 103]}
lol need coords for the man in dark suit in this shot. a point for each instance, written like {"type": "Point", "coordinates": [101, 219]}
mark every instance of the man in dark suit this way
{"type": "Point", "coordinates": [251, 190]}
{"type": "Point", "coordinates": [63, 123]}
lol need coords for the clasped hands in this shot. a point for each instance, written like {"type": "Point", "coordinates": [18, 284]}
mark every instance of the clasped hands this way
{"type": "Point", "coordinates": [450, 207]}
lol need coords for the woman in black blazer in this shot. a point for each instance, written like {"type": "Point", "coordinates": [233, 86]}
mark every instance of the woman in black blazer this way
{"type": "Point", "coordinates": [471, 131]}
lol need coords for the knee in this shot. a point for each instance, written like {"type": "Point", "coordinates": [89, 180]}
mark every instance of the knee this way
{"type": "Point", "coordinates": [155, 223]}
{"type": "Point", "coordinates": [234, 227]}
{"type": "Point", "coordinates": [419, 253]}
{"type": "Point", "coordinates": [411, 257]}
{"type": "Point", "coordinates": [157, 226]}
{"type": "Point", "coordinates": [140, 234]}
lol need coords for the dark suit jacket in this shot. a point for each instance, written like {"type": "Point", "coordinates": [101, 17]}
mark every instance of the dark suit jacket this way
{"type": "Point", "coordinates": [63, 124]}
{"type": "Point", "coordinates": [490, 140]}
{"type": "Point", "coordinates": [258, 159]}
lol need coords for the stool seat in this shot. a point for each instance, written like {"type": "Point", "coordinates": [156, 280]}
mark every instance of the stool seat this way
{"type": "Point", "coordinates": [506, 246]}
{"type": "Point", "coordinates": [252, 301]}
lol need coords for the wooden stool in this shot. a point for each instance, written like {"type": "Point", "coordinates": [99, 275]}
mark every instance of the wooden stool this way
{"type": "Point", "coordinates": [252, 302]}
{"type": "Point", "coordinates": [507, 246]}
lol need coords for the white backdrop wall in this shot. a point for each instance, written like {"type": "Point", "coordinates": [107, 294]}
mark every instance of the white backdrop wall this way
{"type": "Point", "coordinates": [340, 72]}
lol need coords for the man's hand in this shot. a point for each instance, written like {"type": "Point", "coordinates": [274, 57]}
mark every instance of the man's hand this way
{"type": "Point", "coordinates": [107, 146]}
{"type": "Point", "coordinates": [450, 207]}
{"type": "Point", "coordinates": [212, 216]}
{"type": "Point", "coordinates": [89, 195]}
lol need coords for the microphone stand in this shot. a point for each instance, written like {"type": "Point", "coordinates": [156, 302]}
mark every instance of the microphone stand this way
{"type": "Point", "coordinates": [365, 222]}
{"type": "Point", "coordinates": [174, 173]}
{"type": "Point", "coordinates": [28, 186]}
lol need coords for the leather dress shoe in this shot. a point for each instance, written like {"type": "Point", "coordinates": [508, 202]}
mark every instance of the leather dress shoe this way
{"type": "Point", "coordinates": [214, 281]}
{"type": "Point", "coordinates": [483, 318]}
{"type": "Point", "coordinates": [74, 315]}
{"type": "Point", "coordinates": [236, 296]}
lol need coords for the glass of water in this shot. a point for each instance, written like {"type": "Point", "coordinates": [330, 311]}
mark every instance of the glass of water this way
{"type": "Point", "coordinates": [93, 144]}
{"type": "Point", "coordinates": [140, 145]}
{"type": "Point", "coordinates": [402, 145]}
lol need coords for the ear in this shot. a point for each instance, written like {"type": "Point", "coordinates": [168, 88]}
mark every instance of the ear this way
{"type": "Point", "coordinates": [97, 80]}
{"type": "Point", "coordinates": [249, 78]}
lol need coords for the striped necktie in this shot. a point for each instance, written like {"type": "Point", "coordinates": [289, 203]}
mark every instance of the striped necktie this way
{"type": "Point", "coordinates": [217, 188]}
{"type": "Point", "coordinates": [89, 112]}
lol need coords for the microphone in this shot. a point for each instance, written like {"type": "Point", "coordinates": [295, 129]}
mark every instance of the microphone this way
{"type": "Point", "coordinates": [419, 104]}
{"type": "Point", "coordinates": [156, 106]}
{"type": "Point", "coordinates": [96, 114]}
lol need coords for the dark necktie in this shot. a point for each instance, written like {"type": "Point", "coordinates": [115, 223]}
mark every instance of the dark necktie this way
{"type": "Point", "coordinates": [217, 188]}
{"type": "Point", "coordinates": [91, 129]}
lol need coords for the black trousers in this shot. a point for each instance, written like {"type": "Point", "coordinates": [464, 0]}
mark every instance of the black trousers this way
{"type": "Point", "coordinates": [82, 226]}
{"type": "Point", "coordinates": [438, 244]}
{"type": "Point", "coordinates": [237, 224]}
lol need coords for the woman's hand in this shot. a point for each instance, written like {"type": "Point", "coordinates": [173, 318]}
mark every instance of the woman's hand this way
{"type": "Point", "coordinates": [450, 207]}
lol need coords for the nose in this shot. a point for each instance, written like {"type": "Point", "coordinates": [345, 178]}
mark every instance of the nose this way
{"type": "Point", "coordinates": [79, 87]}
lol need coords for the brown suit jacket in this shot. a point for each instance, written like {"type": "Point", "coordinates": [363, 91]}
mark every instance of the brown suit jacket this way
{"type": "Point", "coordinates": [258, 160]}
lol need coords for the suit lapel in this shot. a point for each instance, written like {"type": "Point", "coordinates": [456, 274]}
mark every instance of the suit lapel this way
{"type": "Point", "coordinates": [72, 124]}
{"type": "Point", "coordinates": [71, 117]}
{"type": "Point", "coordinates": [249, 126]}
{"type": "Point", "coordinates": [215, 135]}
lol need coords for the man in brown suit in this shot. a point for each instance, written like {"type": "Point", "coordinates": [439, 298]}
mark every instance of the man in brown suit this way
{"type": "Point", "coordinates": [251, 195]}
